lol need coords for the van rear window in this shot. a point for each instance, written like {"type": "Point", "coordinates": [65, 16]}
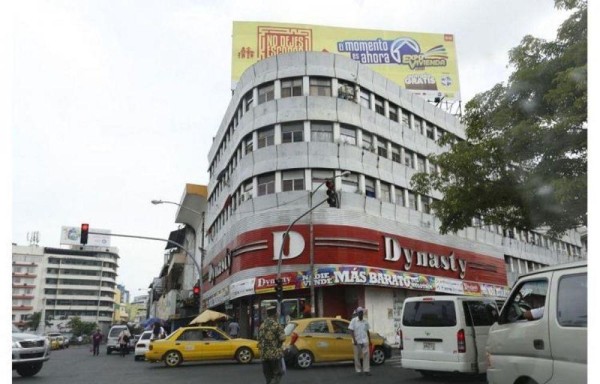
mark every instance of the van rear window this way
{"type": "Point", "coordinates": [115, 332]}
{"type": "Point", "coordinates": [429, 314]}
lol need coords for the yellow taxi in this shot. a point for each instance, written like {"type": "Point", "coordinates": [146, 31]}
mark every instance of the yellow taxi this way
{"type": "Point", "coordinates": [326, 339]}
{"type": "Point", "coordinates": [199, 343]}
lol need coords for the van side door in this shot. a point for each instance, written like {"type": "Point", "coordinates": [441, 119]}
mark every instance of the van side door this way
{"type": "Point", "coordinates": [479, 317]}
{"type": "Point", "coordinates": [568, 325]}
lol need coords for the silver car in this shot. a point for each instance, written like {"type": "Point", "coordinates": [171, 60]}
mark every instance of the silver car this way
{"type": "Point", "coordinates": [29, 352]}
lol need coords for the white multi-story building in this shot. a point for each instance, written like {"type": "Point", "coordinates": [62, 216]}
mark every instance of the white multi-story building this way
{"type": "Point", "coordinates": [297, 120]}
{"type": "Point", "coordinates": [62, 283]}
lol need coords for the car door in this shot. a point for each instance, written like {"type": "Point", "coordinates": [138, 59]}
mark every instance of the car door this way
{"type": "Point", "coordinates": [215, 345]}
{"type": "Point", "coordinates": [319, 340]}
{"type": "Point", "coordinates": [568, 325]}
{"type": "Point", "coordinates": [189, 344]}
{"type": "Point", "coordinates": [479, 317]}
{"type": "Point", "coordinates": [343, 340]}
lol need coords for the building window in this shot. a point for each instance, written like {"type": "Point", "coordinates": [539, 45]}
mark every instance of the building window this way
{"type": "Point", "coordinates": [320, 86]}
{"type": "Point", "coordinates": [379, 105]}
{"type": "Point", "coordinates": [405, 120]}
{"type": "Point", "coordinates": [426, 204]}
{"type": "Point", "coordinates": [321, 131]}
{"type": "Point", "coordinates": [381, 147]}
{"type": "Point", "coordinates": [247, 191]}
{"type": "Point", "coordinates": [292, 132]}
{"type": "Point", "coordinates": [350, 183]}
{"type": "Point", "coordinates": [396, 153]}
{"type": "Point", "coordinates": [266, 137]}
{"type": "Point", "coordinates": [408, 158]}
{"type": "Point", "coordinates": [412, 200]}
{"type": "Point", "coordinates": [399, 193]}
{"type": "Point", "coordinates": [393, 111]}
{"type": "Point", "coordinates": [292, 180]}
{"type": "Point", "coordinates": [418, 124]}
{"type": "Point", "coordinates": [441, 133]}
{"type": "Point", "coordinates": [365, 98]}
{"type": "Point", "coordinates": [249, 145]}
{"type": "Point", "coordinates": [367, 141]}
{"type": "Point", "coordinates": [430, 131]}
{"type": "Point", "coordinates": [291, 87]}
{"type": "Point", "coordinates": [266, 93]}
{"type": "Point", "coordinates": [370, 187]}
{"type": "Point", "coordinates": [420, 163]}
{"type": "Point", "coordinates": [385, 192]}
{"type": "Point", "coordinates": [346, 90]}
{"type": "Point", "coordinates": [248, 99]}
{"type": "Point", "coordinates": [319, 176]}
{"type": "Point", "coordinates": [266, 184]}
{"type": "Point", "coordinates": [432, 169]}
{"type": "Point", "coordinates": [348, 134]}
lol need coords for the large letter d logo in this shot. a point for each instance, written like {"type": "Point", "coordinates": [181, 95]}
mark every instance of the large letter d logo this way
{"type": "Point", "coordinates": [293, 248]}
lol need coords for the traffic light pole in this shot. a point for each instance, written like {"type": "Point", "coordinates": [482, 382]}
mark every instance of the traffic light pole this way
{"type": "Point", "coordinates": [168, 241]}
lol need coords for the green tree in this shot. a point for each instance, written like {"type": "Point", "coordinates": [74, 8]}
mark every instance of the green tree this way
{"type": "Point", "coordinates": [524, 161]}
{"type": "Point", "coordinates": [34, 320]}
{"type": "Point", "coordinates": [79, 327]}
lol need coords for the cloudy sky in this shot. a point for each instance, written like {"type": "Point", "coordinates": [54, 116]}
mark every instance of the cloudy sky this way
{"type": "Point", "coordinates": [114, 103]}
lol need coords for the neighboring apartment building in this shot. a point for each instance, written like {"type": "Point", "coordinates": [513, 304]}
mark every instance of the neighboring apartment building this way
{"type": "Point", "coordinates": [68, 282]}
{"type": "Point", "coordinates": [299, 119]}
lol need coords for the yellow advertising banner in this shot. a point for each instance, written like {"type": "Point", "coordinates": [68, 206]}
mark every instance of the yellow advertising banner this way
{"type": "Point", "coordinates": [423, 63]}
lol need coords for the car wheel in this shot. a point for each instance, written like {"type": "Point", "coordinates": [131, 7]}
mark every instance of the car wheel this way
{"type": "Point", "coordinates": [304, 359]}
{"type": "Point", "coordinates": [30, 369]}
{"type": "Point", "coordinates": [244, 355]}
{"type": "Point", "coordinates": [378, 357]}
{"type": "Point", "coordinates": [173, 358]}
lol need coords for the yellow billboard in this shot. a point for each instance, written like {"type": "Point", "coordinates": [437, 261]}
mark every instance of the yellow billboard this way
{"type": "Point", "coordinates": [423, 63]}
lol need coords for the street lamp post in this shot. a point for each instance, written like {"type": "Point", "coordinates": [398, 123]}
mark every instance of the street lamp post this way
{"type": "Point", "coordinates": [201, 248]}
{"type": "Point", "coordinates": [312, 265]}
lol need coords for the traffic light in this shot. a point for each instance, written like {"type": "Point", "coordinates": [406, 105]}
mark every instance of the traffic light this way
{"type": "Point", "coordinates": [196, 292]}
{"type": "Point", "coordinates": [332, 197]}
{"type": "Point", "coordinates": [279, 288]}
{"type": "Point", "coordinates": [84, 233]}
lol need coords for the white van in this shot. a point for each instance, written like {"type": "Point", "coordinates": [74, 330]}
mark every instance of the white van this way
{"type": "Point", "coordinates": [547, 349]}
{"type": "Point", "coordinates": [446, 333]}
{"type": "Point", "coordinates": [112, 340]}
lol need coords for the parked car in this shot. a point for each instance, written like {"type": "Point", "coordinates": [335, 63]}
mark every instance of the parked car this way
{"type": "Point", "coordinates": [446, 333]}
{"type": "Point", "coordinates": [326, 339]}
{"type": "Point", "coordinates": [29, 352]}
{"type": "Point", "coordinates": [551, 348]}
{"type": "Point", "coordinates": [112, 339]}
{"type": "Point", "coordinates": [141, 345]}
{"type": "Point", "coordinates": [200, 343]}
{"type": "Point", "coordinates": [57, 340]}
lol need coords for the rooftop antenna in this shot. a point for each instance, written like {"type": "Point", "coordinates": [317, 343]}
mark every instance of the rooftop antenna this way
{"type": "Point", "coordinates": [33, 238]}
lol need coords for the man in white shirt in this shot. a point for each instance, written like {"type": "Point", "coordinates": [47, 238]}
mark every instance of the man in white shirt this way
{"type": "Point", "coordinates": [361, 340]}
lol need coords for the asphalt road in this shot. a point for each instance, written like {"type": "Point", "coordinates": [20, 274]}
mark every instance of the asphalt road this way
{"type": "Point", "coordinates": [77, 365]}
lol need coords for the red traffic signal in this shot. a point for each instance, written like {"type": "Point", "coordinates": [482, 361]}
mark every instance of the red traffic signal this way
{"type": "Point", "coordinates": [332, 197]}
{"type": "Point", "coordinates": [196, 290]}
{"type": "Point", "coordinates": [83, 239]}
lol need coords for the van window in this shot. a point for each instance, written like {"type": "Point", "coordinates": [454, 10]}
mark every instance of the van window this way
{"type": "Point", "coordinates": [572, 301]}
{"type": "Point", "coordinates": [480, 313]}
{"type": "Point", "coordinates": [531, 294]}
{"type": "Point", "coordinates": [429, 314]}
{"type": "Point", "coordinates": [114, 332]}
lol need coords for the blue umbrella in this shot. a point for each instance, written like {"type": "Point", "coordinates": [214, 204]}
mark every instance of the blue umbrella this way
{"type": "Point", "coordinates": [149, 323]}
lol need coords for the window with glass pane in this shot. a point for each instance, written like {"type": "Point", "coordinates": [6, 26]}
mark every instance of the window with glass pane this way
{"type": "Point", "coordinates": [291, 87]}
{"type": "Point", "coordinates": [266, 93]}
{"type": "Point", "coordinates": [350, 183]}
{"type": "Point", "coordinates": [393, 112]}
{"type": "Point", "coordinates": [396, 153]}
{"type": "Point", "coordinates": [248, 99]}
{"type": "Point", "coordinates": [321, 131]}
{"type": "Point", "coordinates": [432, 169]}
{"type": "Point", "coordinates": [348, 134]}
{"type": "Point", "coordinates": [430, 131]}
{"type": "Point", "coordinates": [441, 133]}
{"type": "Point", "coordinates": [247, 191]}
{"type": "Point", "coordinates": [379, 105]}
{"type": "Point", "coordinates": [385, 192]}
{"type": "Point", "coordinates": [369, 187]}
{"type": "Point", "coordinates": [381, 147]}
{"type": "Point", "coordinates": [426, 204]}
{"type": "Point", "coordinates": [346, 90]}
{"type": "Point", "coordinates": [367, 140]}
{"type": "Point", "coordinates": [266, 184]}
{"type": "Point", "coordinates": [320, 86]}
{"type": "Point", "coordinates": [405, 120]}
{"type": "Point", "coordinates": [420, 163]}
{"type": "Point", "coordinates": [417, 124]}
{"type": "Point", "coordinates": [319, 176]}
{"type": "Point", "coordinates": [365, 98]}
{"type": "Point", "coordinates": [249, 146]}
{"type": "Point", "coordinates": [399, 193]}
{"type": "Point", "coordinates": [266, 137]}
{"type": "Point", "coordinates": [408, 158]}
{"type": "Point", "coordinates": [292, 180]}
{"type": "Point", "coordinates": [412, 200]}
{"type": "Point", "coordinates": [292, 132]}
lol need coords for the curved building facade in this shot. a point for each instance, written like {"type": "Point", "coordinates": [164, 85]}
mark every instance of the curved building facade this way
{"type": "Point", "coordinates": [297, 120]}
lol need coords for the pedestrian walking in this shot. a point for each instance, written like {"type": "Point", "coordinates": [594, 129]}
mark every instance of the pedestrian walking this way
{"type": "Point", "coordinates": [270, 340]}
{"type": "Point", "coordinates": [96, 340]}
{"type": "Point", "coordinates": [234, 329]}
{"type": "Point", "coordinates": [124, 337]}
{"type": "Point", "coordinates": [361, 340]}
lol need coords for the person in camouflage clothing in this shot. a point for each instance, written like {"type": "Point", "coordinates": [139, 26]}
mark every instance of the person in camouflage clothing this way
{"type": "Point", "coordinates": [270, 339]}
